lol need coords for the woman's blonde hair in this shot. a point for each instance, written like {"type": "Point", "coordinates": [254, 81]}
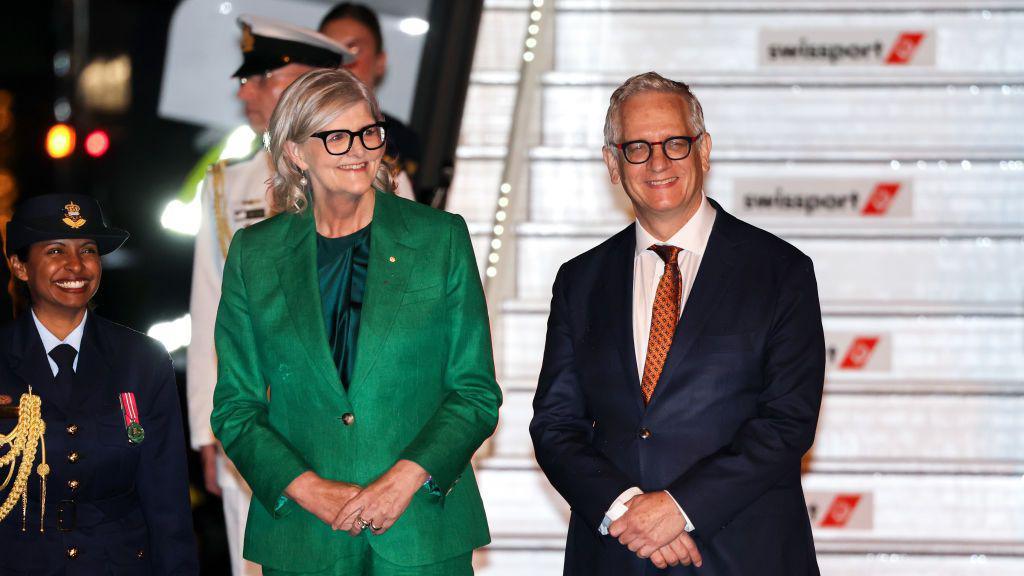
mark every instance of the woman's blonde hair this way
{"type": "Point", "coordinates": [309, 105]}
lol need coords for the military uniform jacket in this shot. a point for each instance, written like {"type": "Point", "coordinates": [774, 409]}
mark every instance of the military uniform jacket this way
{"type": "Point", "coordinates": [112, 507]}
{"type": "Point", "coordinates": [422, 389]}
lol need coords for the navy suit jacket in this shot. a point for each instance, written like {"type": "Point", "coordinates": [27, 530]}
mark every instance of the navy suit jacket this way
{"type": "Point", "coordinates": [734, 411]}
{"type": "Point", "coordinates": [131, 512]}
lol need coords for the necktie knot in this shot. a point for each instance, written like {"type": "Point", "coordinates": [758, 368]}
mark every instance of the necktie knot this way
{"type": "Point", "coordinates": [669, 254]}
{"type": "Point", "coordinates": [64, 356]}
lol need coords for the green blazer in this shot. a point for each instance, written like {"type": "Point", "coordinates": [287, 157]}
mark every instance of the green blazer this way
{"type": "Point", "coordinates": [423, 386]}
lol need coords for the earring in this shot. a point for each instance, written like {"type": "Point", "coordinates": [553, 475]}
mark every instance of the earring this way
{"type": "Point", "coordinates": [303, 181]}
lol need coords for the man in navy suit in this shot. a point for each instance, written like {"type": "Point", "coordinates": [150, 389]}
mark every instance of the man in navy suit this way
{"type": "Point", "coordinates": [683, 369]}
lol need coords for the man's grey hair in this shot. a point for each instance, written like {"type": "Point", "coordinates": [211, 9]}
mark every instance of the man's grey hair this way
{"type": "Point", "coordinates": [649, 82]}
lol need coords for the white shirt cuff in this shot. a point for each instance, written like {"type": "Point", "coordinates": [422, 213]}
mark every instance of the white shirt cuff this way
{"type": "Point", "coordinates": [617, 509]}
{"type": "Point", "coordinates": [689, 525]}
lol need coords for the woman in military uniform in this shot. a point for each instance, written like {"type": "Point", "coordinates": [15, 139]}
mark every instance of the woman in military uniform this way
{"type": "Point", "coordinates": [355, 376]}
{"type": "Point", "coordinates": [106, 489]}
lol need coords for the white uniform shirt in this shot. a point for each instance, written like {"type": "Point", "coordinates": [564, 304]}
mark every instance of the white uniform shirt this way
{"type": "Point", "coordinates": [50, 341]}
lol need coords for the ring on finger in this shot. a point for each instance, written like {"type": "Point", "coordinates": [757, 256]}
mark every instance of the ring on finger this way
{"type": "Point", "coordinates": [376, 528]}
{"type": "Point", "coordinates": [362, 523]}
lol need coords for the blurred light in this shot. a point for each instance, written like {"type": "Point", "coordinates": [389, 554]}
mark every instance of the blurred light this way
{"type": "Point", "coordinates": [6, 184]}
{"type": "Point", "coordinates": [965, 164]}
{"type": "Point", "coordinates": [225, 8]}
{"type": "Point", "coordinates": [493, 258]}
{"type": "Point", "coordinates": [533, 29]}
{"type": "Point", "coordinates": [105, 84]}
{"type": "Point", "coordinates": [414, 26]}
{"type": "Point", "coordinates": [531, 43]}
{"type": "Point", "coordinates": [97, 143]}
{"type": "Point", "coordinates": [184, 218]}
{"type": "Point", "coordinates": [61, 63]}
{"type": "Point", "coordinates": [6, 116]}
{"type": "Point", "coordinates": [499, 215]}
{"type": "Point", "coordinates": [503, 201]}
{"type": "Point", "coordinates": [60, 141]}
{"type": "Point", "coordinates": [492, 271]}
{"type": "Point", "coordinates": [505, 188]}
{"type": "Point", "coordinates": [239, 144]}
{"type": "Point", "coordinates": [895, 164]}
{"type": "Point", "coordinates": [535, 15]}
{"type": "Point", "coordinates": [62, 110]}
{"type": "Point", "coordinates": [174, 334]}
{"type": "Point", "coordinates": [496, 244]}
{"type": "Point", "coordinates": [528, 56]}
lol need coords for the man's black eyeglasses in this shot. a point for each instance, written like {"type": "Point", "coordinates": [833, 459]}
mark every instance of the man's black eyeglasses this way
{"type": "Point", "coordinates": [674, 148]}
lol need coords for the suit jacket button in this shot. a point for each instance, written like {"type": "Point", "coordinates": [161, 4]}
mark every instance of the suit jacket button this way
{"type": "Point", "coordinates": [72, 552]}
{"type": "Point", "coordinates": [73, 456]}
{"type": "Point", "coordinates": [348, 418]}
{"type": "Point", "coordinates": [72, 429]}
{"type": "Point", "coordinates": [140, 554]}
{"type": "Point", "coordinates": [645, 433]}
{"type": "Point", "coordinates": [73, 484]}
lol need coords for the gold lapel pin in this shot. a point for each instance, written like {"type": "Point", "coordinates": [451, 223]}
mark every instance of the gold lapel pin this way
{"type": "Point", "coordinates": [392, 259]}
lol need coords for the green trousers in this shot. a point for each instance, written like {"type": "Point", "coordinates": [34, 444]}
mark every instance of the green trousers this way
{"type": "Point", "coordinates": [370, 564]}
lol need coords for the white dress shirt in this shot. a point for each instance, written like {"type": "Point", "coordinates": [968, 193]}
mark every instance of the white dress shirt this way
{"type": "Point", "coordinates": [50, 341]}
{"type": "Point", "coordinates": [648, 268]}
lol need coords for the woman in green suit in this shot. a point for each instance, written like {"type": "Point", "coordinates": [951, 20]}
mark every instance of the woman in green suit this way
{"type": "Point", "coordinates": [355, 376]}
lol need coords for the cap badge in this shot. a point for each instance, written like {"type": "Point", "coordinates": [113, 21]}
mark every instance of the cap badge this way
{"type": "Point", "coordinates": [73, 215]}
{"type": "Point", "coordinates": [248, 40]}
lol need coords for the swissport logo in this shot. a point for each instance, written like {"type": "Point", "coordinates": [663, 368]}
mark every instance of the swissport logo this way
{"type": "Point", "coordinates": [823, 197]}
{"type": "Point", "coordinates": [904, 47]}
{"type": "Point", "coordinates": [881, 199]}
{"type": "Point", "coordinates": [846, 47]}
{"type": "Point", "coordinates": [848, 351]}
{"type": "Point", "coordinates": [841, 510]}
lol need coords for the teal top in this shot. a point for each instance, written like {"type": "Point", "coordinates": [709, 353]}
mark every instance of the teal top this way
{"type": "Point", "coordinates": [341, 268]}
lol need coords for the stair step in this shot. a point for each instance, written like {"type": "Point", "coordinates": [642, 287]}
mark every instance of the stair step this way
{"type": "Point", "coordinates": [795, 120]}
{"type": "Point", "coordinates": [871, 271]}
{"type": "Point", "coordinates": [633, 36]}
{"type": "Point", "coordinates": [868, 433]}
{"type": "Point", "coordinates": [912, 348]}
{"type": "Point", "coordinates": [896, 513]}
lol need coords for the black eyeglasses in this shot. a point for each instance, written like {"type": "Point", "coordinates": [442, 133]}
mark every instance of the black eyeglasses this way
{"type": "Point", "coordinates": [339, 142]}
{"type": "Point", "coordinates": [674, 148]}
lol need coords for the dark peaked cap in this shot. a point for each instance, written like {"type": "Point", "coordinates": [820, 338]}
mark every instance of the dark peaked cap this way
{"type": "Point", "coordinates": [60, 216]}
{"type": "Point", "coordinates": [271, 44]}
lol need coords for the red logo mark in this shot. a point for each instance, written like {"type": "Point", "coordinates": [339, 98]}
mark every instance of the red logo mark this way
{"type": "Point", "coordinates": [840, 511]}
{"type": "Point", "coordinates": [859, 353]}
{"type": "Point", "coordinates": [904, 47]}
{"type": "Point", "coordinates": [881, 199]}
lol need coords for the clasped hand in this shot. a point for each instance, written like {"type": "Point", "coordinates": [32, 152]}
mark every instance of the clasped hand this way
{"type": "Point", "coordinates": [653, 528]}
{"type": "Point", "coordinates": [349, 507]}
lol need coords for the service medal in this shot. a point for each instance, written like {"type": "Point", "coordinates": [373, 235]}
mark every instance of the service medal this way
{"type": "Point", "coordinates": [130, 410]}
{"type": "Point", "coordinates": [135, 433]}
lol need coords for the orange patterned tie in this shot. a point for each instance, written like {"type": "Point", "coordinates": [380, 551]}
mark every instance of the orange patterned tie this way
{"type": "Point", "coordinates": [664, 318]}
